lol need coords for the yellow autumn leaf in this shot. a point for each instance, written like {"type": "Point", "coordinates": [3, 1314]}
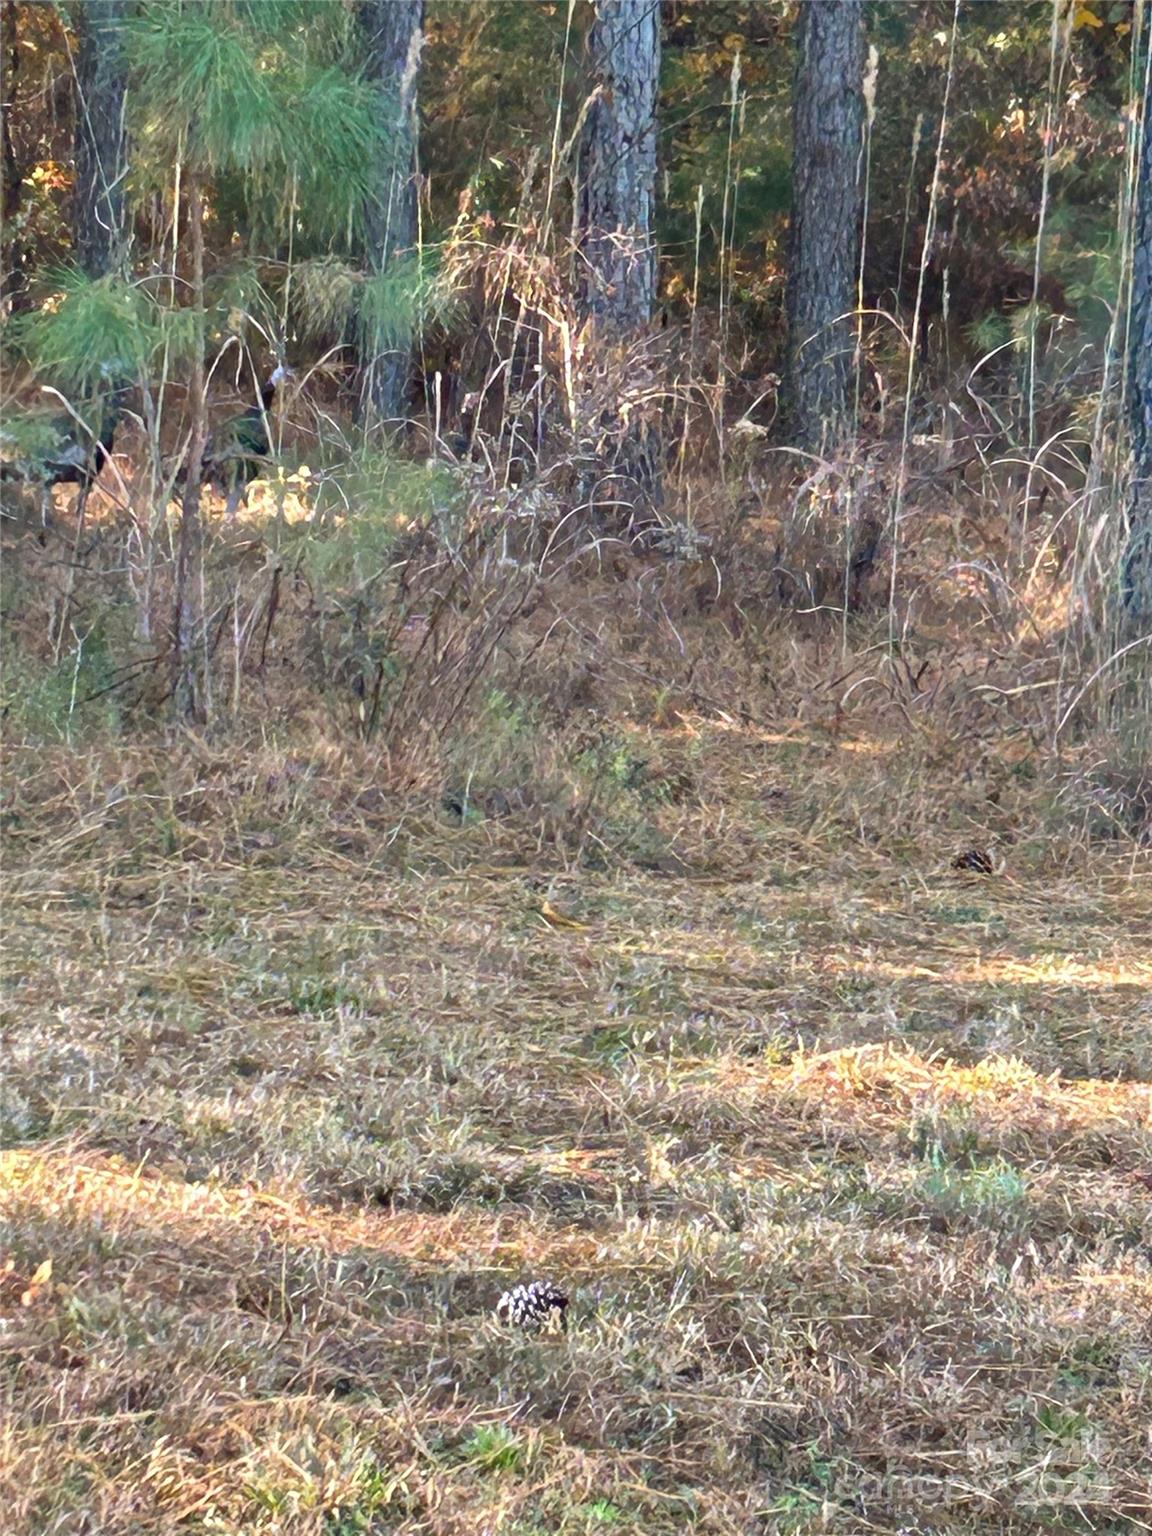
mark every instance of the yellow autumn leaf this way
{"type": "Point", "coordinates": [1086, 18]}
{"type": "Point", "coordinates": [37, 1283]}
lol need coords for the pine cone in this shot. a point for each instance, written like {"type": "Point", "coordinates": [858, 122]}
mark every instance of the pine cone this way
{"type": "Point", "coordinates": [978, 860]}
{"type": "Point", "coordinates": [537, 1307]}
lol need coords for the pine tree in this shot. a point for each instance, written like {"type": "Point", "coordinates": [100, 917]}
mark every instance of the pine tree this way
{"type": "Point", "coordinates": [617, 176]}
{"type": "Point", "coordinates": [1138, 561]}
{"type": "Point", "coordinates": [392, 32]}
{"type": "Point", "coordinates": [259, 93]}
{"type": "Point", "coordinates": [826, 205]}
{"type": "Point", "coordinates": [615, 206]}
{"type": "Point", "coordinates": [101, 144]}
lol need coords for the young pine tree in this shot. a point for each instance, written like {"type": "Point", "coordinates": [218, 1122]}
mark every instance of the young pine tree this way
{"type": "Point", "coordinates": [264, 97]}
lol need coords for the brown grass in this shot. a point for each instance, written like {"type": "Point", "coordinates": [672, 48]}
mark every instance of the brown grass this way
{"type": "Point", "coordinates": [844, 1156]}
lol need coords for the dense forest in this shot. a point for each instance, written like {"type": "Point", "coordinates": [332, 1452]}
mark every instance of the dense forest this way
{"type": "Point", "coordinates": [576, 605]}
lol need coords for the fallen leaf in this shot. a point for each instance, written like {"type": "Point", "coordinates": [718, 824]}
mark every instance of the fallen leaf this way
{"type": "Point", "coordinates": [557, 919]}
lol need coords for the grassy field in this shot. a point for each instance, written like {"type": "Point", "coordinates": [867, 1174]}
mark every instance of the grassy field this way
{"type": "Point", "coordinates": [845, 1157]}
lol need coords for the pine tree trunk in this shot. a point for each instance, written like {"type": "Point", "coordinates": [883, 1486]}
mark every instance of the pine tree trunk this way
{"type": "Point", "coordinates": [101, 146]}
{"type": "Point", "coordinates": [393, 39]}
{"type": "Point", "coordinates": [617, 177]}
{"type": "Point", "coordinates": [828, 106]}
{"type": "Point", "coordinates": [12, 276]}
{"type": "Point", "coordinates": [1138, 562]}
{"type": "Point", "coordinates": [614, 234]}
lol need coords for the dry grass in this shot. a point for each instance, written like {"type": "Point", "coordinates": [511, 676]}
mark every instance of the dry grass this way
{"type": "Point", "coordinates": [844, 1155]}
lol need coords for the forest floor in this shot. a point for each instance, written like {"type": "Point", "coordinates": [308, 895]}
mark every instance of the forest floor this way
{"type": "Point", "coordinates": [845, 1157]}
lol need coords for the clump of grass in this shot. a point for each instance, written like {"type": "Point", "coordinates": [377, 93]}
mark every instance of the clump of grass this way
{"type": "Point", "coordinates": [994, 1192]}
{"type": "Point", "coordinates": [494, 1448]}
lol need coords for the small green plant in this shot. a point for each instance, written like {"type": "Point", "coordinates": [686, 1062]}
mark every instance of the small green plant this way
{"type": "Point", "coordinates": [494, 1448]}
{"type": "Point", "coordinates": [646, 987]}
{"type": "Point", "coordinates": [960, 915]}
{"type": "Point", "coordinates": [82, 322]}
{"type": "Point", "coordinates": [498, 752]}
{"type": "Point", "coordinates": [795, 1509]}
{"type": "Point", "coordinates": [1060, 1424]}
{"type": "Point", "coordinates": [319, 994]}
{"type": "Point", "coordinates": [993, 1189]}
{"type": "Point", "coordinates": [602, 1512]}
{"type": "Point", "coordinates": [68, 700]}
{"type": "Point", "coordinates": [945, 1138]}
{"type": "Point", "coordinates": [375, 1490]}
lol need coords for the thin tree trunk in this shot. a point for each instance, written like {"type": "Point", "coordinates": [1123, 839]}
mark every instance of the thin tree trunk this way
{"type": "Point", "coordinates": [101, 146]}
{"type": "Point", "coordinates": [1138, 561]}
{"type": "Point", "coordinates": [828, 114]}
{"type": "Point", "coordinates": [12, 279]}
{"type": "Point", "coordinates": [614, 228]}
{"type": "Point", "coordinates": [393, 38]}
{"type": "Point", "coordinates": [188, 696]}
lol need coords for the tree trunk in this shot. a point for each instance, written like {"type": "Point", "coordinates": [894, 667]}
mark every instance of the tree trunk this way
{"type": "Point", "coordinates": [101, 147]}
{"type": "Point", "coordinates": [615, 240]}
{"type": "Point", "coordinates": [393, 39]}
{"type": "Point", "coordinates": [617, 175]}
{"type": "Point", "coordinates": [828, 115]}
{"type": "Point", "coordinates": [188, 682]}
{"type": "Point", "coordinates": [1138, 561]}
{"type": "Point", "coordinates": [12, 275]}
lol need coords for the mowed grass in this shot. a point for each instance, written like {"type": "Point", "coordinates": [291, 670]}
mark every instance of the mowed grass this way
{"type": "Point", "coordinates": [845, 1158]}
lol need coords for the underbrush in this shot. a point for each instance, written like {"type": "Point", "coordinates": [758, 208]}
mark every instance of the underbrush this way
{"type": "Point", "coordinates": [424, 640]}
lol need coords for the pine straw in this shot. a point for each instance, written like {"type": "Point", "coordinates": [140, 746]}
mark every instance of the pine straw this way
{"type": "Point", "coordinates": [846, 1158]}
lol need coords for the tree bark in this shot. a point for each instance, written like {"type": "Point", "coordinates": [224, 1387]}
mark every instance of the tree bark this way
{"type": "Point", "coordinates": [101, 146]}
{"type": "Point", "coordinates": [1138, 559]}
{"type": "Point", "coordinates": [828, 115]}
{"type": "Point", "coordinates": [393, 39]}
{"type": "Point", "coordinates": [617, 170]}
{"type": "Point", "coordinates": [615, 238]}
{"type": "Point", "coordinates": [12, 275]}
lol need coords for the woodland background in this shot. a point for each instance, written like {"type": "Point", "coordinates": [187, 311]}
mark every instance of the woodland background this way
{"type": "Point", "coordinates": [992, 377]}
{"type": "Point", "coordinates": [650, 790]}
